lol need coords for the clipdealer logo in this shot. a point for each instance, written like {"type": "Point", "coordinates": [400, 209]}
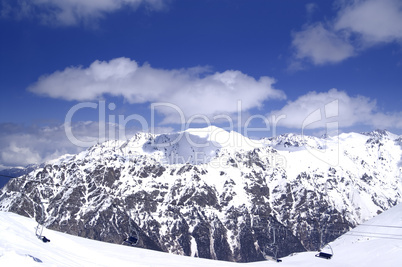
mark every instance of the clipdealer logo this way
{"type": "Point", "coordinates": [329, 153]}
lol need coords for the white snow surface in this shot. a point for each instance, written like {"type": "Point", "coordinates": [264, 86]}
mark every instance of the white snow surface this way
{"type": "Point", "coordinates": [378, 242]}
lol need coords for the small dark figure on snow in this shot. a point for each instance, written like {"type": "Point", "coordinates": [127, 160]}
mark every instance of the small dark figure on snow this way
{"type": "Point", "coordinates": [132, 241]}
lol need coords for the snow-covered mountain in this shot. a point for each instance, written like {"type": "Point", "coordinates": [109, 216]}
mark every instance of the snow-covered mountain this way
{"type": "Point", "coordinates": [215, 194]}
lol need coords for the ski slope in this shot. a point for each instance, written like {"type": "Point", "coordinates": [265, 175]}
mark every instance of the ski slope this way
{"type": "Point", "coordinates": [20, 247]}
{"type": "Point", "coordinates": [377, 242]}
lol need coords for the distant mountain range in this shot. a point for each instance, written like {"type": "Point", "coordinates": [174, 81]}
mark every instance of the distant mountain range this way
{"type": "Point", "coordinates": [10, 173]}
{"type": "Point", "coordinates": [215, 194]}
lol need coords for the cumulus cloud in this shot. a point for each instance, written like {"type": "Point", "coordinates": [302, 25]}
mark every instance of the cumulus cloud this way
{"type": "Point", "coordinates": [357, 26]}
{"type": "Point", "coordinates": [375, 21]}
{"type": "Point", "coordinates": [315, 110]}
{"type": "Point", "coordinates": [321, 45]}
{"type": "Point", "coordinates": [22, 145]}
{"type": "Point", "coordinates": [71, 12]}
{"type": "Point", "coordinates": [190, 92]}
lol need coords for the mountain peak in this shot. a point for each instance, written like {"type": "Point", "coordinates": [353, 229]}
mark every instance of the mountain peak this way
{"type": "Point", "coordinates": [378, 133]}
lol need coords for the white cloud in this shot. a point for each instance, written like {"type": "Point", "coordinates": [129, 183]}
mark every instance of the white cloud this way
{"type": "Point", "coordinates": [375, 20]}
{"type": "Point", "coordinates": [193, 91]}
{"type": "Point", "coordinates": [19, 155]}
{"type": "Point", "coordinates": [334, 106]}
{"type": "Point", "coordinates": [71, 12]}
{"type": "Point", "coordinates": [357, 26]}
{"type": "Point", "coordinates": [321, 45]}
{"type": "Point", "coordinates": [310, 9]}
{"type": "Point", "coordinates": [23, 145]}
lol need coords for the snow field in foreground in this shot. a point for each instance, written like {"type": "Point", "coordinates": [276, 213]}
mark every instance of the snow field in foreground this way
{"type": "Point", "coordinates": [377, 242]}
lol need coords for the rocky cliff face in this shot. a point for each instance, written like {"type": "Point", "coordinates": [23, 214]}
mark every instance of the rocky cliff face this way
{"type": "Point", "coordinates": [214, 194]}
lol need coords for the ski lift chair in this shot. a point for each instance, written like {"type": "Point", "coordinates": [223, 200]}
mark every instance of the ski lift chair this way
{"type": "Point", "coordinates": [325, 254]}
{"type": "Point", "coordinates": [273, 247]}
{"type": "Point", "coordinates": [40, 226]}
{"type": "Point", "coordinates": [133, 239]}
{"type": "Point", "coordinates": [274, 251]}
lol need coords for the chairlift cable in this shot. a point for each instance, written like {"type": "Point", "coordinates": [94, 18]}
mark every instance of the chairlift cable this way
{"type": "Point", "coordinates": [208, 208]}
{"type": "Point", "coordinates": [373, 233]}
{"type": "Point", "coordinates": [378, 225]}
{"type": "Point", "coordinates": [373, 236]}
{"type": "Point", "coordinates": [8, 176]}
{"type": "Point", "coordinates": [367, 234]}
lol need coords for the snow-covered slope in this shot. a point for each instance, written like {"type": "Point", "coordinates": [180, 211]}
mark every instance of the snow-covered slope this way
{"type": "Point", "coordinates": [20, 247]}
{"type": "Point", "coordinates": [377, 242]}
{"type": "Point", "coordinates": [216, 194]}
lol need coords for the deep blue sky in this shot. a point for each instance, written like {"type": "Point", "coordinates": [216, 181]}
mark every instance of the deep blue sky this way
{"type": "Point", "coordinates": [280, 39]}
